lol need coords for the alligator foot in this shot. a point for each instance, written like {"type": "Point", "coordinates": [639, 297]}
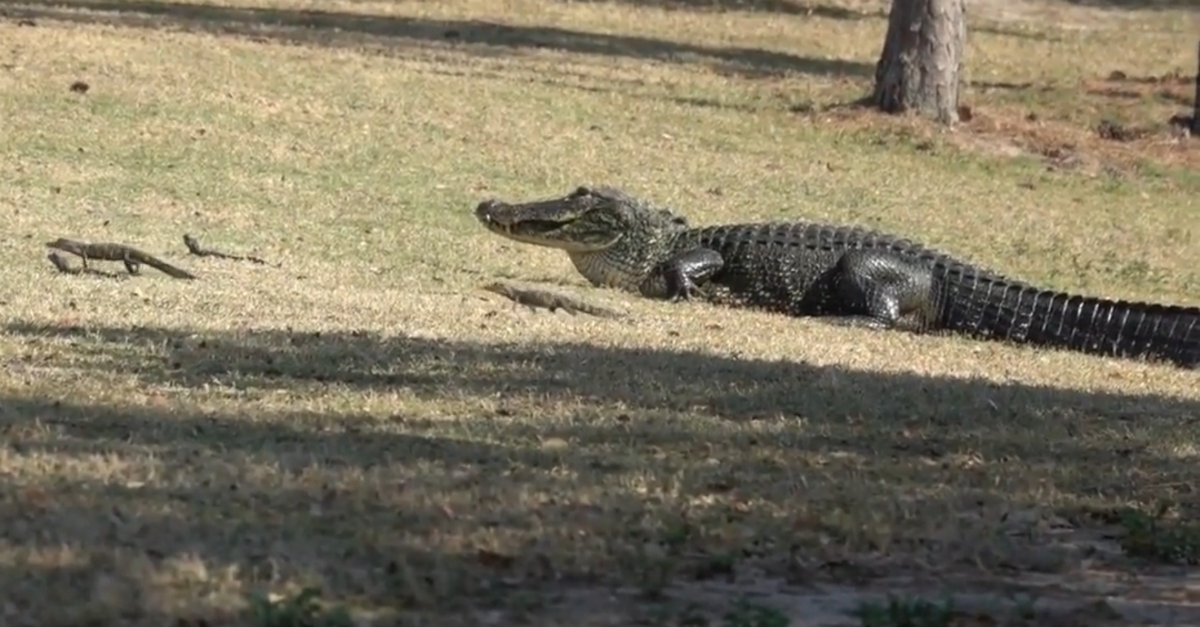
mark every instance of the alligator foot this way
{"type": "Point", "coordinates": [858, 322]}
{"type": "Point", "coordinates": [684, 272]}
{"type": "Point", "coordinates": [683, 290]}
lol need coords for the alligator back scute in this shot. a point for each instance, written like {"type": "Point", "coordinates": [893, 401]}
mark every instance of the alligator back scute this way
{"type": "Point", "coordinates": [832, 239]}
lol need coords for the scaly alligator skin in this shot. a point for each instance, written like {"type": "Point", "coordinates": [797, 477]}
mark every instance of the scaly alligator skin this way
{"type": "Point", "coordinates": [851, 275]}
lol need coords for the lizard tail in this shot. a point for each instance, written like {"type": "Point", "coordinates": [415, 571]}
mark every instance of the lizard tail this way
{"type": "Point", "coordinates": [174, 271]}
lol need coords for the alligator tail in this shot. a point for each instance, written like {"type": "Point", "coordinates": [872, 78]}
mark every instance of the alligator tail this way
{"type": "Point", "coordinates": [1021, 313]}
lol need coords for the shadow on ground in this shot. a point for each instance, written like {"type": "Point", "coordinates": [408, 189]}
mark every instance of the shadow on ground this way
{"type": "Point", "coordinates": [210, 525]}
{"type": "Point", "coordinates": [395, 34]}
{"type": "Point", "coordinates": [786, 7]}
{"type": "Point", "coordinates": [1165, 90]}
{"type": "Point", "coordinates": [647, 379]}
{"type": "Point", "coordinates": [805, 9]}
{"type": "Point", "coordinates": [1137, 5]}
{"type": "Point", "coordinates": [829, 11]}
{"type": "Point", "coordinates": [229, 489]}
{"type": "Point", "coordinates": [956, 412]}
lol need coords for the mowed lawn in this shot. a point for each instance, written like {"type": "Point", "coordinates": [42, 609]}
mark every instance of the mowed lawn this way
{"type": "Point", "coordinates": [356, 416]}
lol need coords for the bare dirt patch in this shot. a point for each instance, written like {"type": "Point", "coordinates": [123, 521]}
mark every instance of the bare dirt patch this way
{"type": "Point", "coordinates": [1109, 126]}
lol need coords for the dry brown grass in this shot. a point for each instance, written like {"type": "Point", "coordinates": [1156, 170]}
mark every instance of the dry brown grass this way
{"type": "Point", "coordinates": [364, 420]}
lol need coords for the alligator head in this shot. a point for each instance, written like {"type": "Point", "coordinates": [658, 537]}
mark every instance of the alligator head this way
{"type": "Point", "coordinates": [588, 220]}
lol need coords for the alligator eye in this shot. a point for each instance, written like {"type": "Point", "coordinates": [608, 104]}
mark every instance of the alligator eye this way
{"type": "Point", "coordinates": [580, 192]}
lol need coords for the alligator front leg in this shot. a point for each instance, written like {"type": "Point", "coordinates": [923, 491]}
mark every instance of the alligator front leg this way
{"type": "Point", "coordinates": [685, 272]}
{"type": "Point", "coordinates": [877, 289]}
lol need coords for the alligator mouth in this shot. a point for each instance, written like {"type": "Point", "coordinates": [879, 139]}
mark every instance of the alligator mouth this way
{"type": "Point", "coordinates": [534, 227]}
{"type": "Point", "coordinates": [520, 227]}
{"type": "Point", "coordinates": [507, 220]}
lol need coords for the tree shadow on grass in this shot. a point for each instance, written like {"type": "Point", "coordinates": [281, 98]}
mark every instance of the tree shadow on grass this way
{"type": "Point", "coordinates": [169, 513]}
{"type": "Point", "coordinates": [810, 8]}
{"type": "Point", "coordinates": [211, 525]}
{"type": "Point", "coordinates": [1136, 5]}
{"type": "Point", "coordinates": [784, 7]}
{"type": "Point", "coordinates": [646, 379]}
{"type": "Point", "coordinates": [354, 500]}
{"type": "Point", "coordinates": [395, 34]}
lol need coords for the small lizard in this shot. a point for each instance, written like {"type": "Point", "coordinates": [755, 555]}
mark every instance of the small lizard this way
{"type": "Point", "coordinates": [533, 298]}
{"type": "Point", "coordinates": [195, 248]}
{"type": "Point", "coordinates": [107, 251]}
{"type": "Point", "coordinates": [64, 266]}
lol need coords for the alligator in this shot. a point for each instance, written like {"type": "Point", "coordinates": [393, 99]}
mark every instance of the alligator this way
{"type": "Point", "coordinates": [847, 275]}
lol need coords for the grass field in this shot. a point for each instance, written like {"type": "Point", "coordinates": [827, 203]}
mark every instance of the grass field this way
{"type": "Point", "coordinates": [359, 418]}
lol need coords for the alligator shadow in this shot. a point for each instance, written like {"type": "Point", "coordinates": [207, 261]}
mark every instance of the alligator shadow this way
{"type": "Point", "coordinates": [394, 34]}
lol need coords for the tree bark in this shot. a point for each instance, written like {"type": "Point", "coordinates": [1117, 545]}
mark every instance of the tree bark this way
{"type": "Point", "coordinates": [1196, 98]}
{"type": "Point", "coordinates": [922, 59]}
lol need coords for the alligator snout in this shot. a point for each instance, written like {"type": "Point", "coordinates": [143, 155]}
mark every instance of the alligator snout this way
{"type": "Point", "coordinates": [490, 213]}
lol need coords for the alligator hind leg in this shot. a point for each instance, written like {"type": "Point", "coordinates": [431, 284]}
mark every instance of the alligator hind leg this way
{"type": "Point", "coordinates": [877, 288]}
{"type": "Point", "coordinates": [685, 272]}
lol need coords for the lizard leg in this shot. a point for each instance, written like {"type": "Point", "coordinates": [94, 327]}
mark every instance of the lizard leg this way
{"type": "Point", "coordinates": [131, 265]}
{"type": "Point", "coordinates": [877, 288]}
{"type": "Point", "coordinates": [684, 272]}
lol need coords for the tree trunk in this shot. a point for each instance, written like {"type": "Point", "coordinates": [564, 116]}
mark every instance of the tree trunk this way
{"type": "Point", "coordinates": [1196, 98]}
{"type": "Point", "coordinates": [922, 59]}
